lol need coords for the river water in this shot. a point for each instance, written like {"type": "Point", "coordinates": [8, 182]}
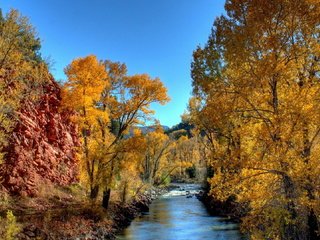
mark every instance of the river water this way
{"type": "Point", "coordinates": [174, 216]}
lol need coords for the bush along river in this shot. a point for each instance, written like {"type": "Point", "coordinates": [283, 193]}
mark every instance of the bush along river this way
{"type": "Point", "coordinates": [179, 215]}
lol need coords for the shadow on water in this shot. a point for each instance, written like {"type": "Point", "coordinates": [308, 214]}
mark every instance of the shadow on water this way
{"type": "Point", "coordinates": [176, 217]}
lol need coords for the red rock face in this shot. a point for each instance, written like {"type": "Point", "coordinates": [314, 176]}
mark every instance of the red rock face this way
{"type": "Point", "coordinates": [43, 146]}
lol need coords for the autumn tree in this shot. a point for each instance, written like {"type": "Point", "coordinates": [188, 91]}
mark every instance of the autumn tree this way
{"type": "Point", "coordinates": [87, 79]}
{"type": "Point", "coordinates": [131, 183]}
{"type": "Point", "coordinates": [156, 146]}
{"type": "Point", "coordinates": [256, 86]}
{"type": "Point", "coordinates": [144, 161]}
{"type": "Point", "coordinates": [109, 103]}
{"type": "Point", "coordinates": [128, 100]}
{"type": "Point", "coordinates": [22, 70]}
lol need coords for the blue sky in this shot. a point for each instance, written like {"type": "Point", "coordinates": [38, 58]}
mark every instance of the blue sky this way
{"type": "Point", "coordinates": [154, 37]}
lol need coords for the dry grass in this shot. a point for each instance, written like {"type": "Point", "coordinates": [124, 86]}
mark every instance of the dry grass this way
{"type": "Point", "coordinates": [63, 213]}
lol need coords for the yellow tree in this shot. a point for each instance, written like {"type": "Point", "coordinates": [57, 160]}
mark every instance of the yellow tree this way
{"type": "Point", "coordinates": [99, 91]}
{"type": "Point", "coordinates": [87, 78]}
{"type": "Point", "coordinates": [127, 100]}
{"type": "Point", "coordinates": [131, 183]}
{"type": "Point", "coordinates": [156, 146]}
{"type": "Point", "coordinates": [257, 80]}
{"type": "Point", "coordinates": [184, 154]}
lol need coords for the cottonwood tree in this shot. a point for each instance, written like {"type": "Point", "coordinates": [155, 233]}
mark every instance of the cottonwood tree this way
{"type": "Point", "coordinates": [128, 100]}
{"type": "Point", "coordinates": [156, 147]}
{"type": "Point", "coordinates": [109, 103]}
{"type": "Point", "coordinates": [257, 85]}
{"type": "Point", "coordinates": [87, 78]}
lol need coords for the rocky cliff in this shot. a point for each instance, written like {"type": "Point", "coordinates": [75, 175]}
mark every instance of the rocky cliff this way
{"type": "Point", "coordinates": [42, 147]}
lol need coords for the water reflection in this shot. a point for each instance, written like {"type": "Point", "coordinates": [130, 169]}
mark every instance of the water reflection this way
{"type": "Point", "coordinates": [179, 218]}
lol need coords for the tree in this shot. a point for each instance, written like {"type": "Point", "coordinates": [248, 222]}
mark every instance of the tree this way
{"type": "Point", "coordinates": [255, 86]}
{"type": "Point", "coordinates": [87, 78]}
{"type": "Point", "coordinates": [109, 103]}
{"type": "Point", "coordinates": [22, 71]}
{"type": "Point", "coordinates": [128, 100]}
{"type": "Point", "coordinates": [156, 146]}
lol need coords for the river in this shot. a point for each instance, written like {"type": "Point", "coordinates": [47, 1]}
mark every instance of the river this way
{"type": "Point", "coordinates": [174, 216]}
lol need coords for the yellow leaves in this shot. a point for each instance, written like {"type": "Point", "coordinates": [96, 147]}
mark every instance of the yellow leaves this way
{"type": "Point", "coordinates": [129, 97]}
{"type": "Point", "coordinates": [86, 71]}
{"type": "Point", "coordinates": [108, 105]}
{"type": "Point", "coordinates": [185, 164]}
{"type": "Point", "coordinates": [22, 71]}
{"type": "Point", "coordinates": [87, 78]}
{"type": "Point", "coordinates": [10, 226]}
{"type": "Point", "coordinates": [139, 91]}
{"type": "Point", "coordinates": [257, 100]}
{"type": "Point", "coordinates": [18, 41]}
{"type": "Point", "coordinates": [147, 89]}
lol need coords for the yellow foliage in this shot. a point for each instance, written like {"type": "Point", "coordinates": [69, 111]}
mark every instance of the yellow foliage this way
{"type": "Point", "coordinates": [9, 227]}
{"type": "Point", "coordinates": [22, 70]}
{"type": "Point", "coordinates": [256, 98]}
{"type": "Point", "coordinates": [109, 104]}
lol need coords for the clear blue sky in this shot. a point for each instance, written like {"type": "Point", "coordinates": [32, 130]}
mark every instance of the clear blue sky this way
{"type": "Point", "coordinates": [151, 36]}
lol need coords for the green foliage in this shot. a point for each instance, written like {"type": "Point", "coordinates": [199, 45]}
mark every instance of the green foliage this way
{"type": "Point", "coordinates": [22, 70]}
{"type": "Point", "coordinates": [9, 227]}
{"type": "Point", "coordinates": [182, 129]}
{"type": "Point", "coordinates": [17, 35]}
{"type": "Point", "coordinates": [165, 179]}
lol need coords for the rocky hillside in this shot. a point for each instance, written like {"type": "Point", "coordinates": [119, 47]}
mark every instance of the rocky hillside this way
{"type": "Point", "coordinates": [42, 147]}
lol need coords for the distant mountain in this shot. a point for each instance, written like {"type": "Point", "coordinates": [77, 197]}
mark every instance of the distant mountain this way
{"type": "Point", "coordinates": [147, 129]}
{"type": "Point", "coordinates": [165, 128]}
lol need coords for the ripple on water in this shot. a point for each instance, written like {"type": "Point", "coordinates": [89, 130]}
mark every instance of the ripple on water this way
{"type": "Point", "coordinates": [176, 217]}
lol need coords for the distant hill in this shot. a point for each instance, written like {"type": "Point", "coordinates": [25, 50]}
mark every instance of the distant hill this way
{"type": "Point", "coordinates": [187, 127]}
{"type": "Point", "coordinates": [165, 128]}
{"type": "Point", "coordinates": [147, 129]}
{"type": "Point", "coordinates": [181, 129]}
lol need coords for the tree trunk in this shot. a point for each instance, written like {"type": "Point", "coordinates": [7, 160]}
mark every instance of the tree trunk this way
{"type": "Point", "coordinates": [107, 191]}
{"type": "Point", "coordinates": [94, 192]}
{"type": "Point", "coordinates": [313, 231]}
{"type": "Point", "coordinates": [291, 230]}
{"type": "Point", "coordinates": [313, 225]}
{"type": "Point", "coordinates": [106, 198]}
{"type": "Point", "coordinates": [124, 193]}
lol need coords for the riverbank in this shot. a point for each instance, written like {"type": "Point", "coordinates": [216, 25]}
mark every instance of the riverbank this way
{"type": "Point", "coordinates": [123, 215]}
{"type": "Point", "coordinates": [65, 217]}
{"type": "Point", "coordinates": [230, 208]}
